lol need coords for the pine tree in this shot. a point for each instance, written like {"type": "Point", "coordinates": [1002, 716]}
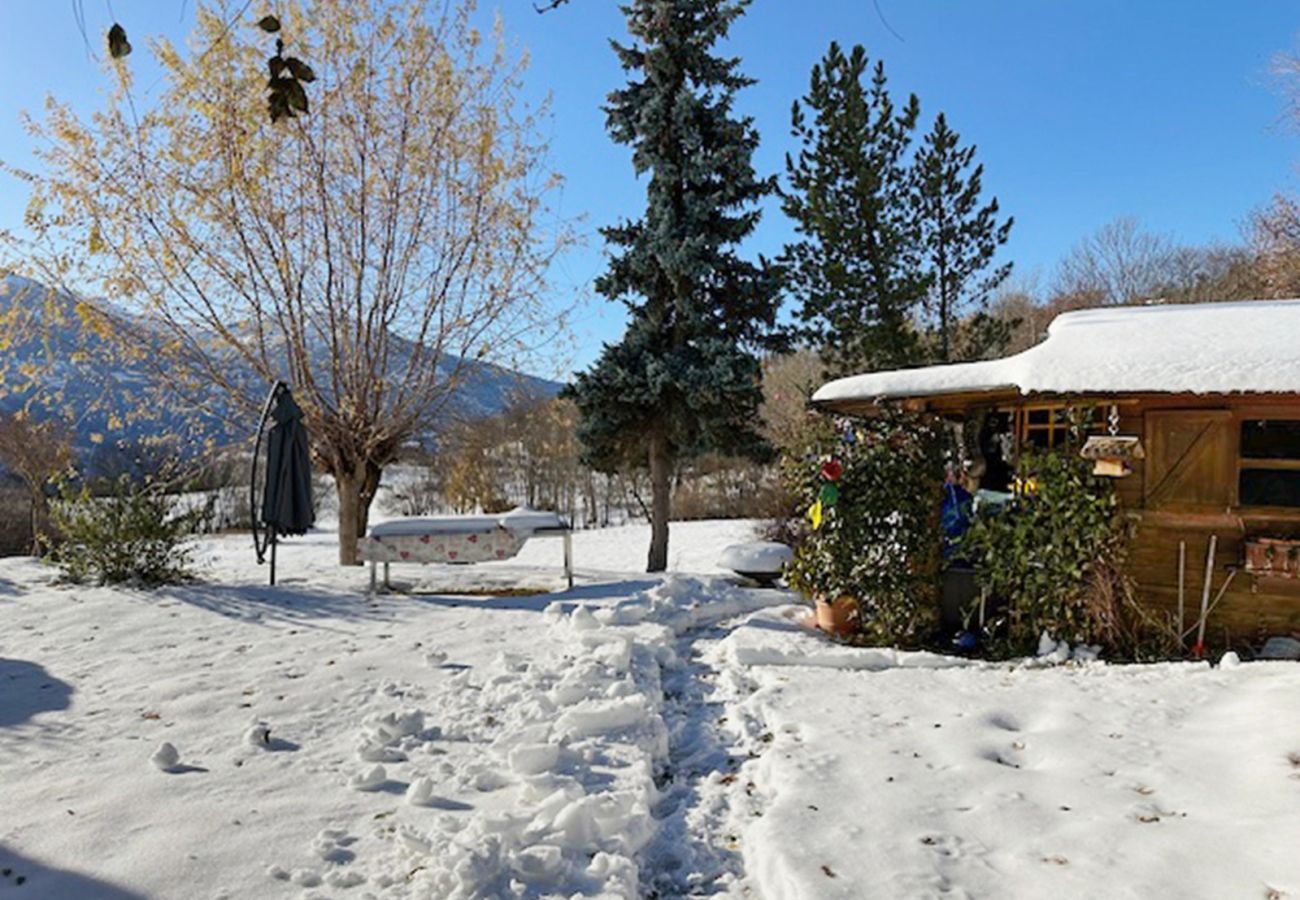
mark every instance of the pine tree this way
{"type": "Point", "coordinates": [959, 238]}
{"type": "Point", "coordinates": [684, 379]}
{"type": "Point", "coordinates": [855, 269]}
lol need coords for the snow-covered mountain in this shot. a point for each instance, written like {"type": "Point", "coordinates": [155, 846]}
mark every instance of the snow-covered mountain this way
{"type": "Point", "coordinates": [99, 395]}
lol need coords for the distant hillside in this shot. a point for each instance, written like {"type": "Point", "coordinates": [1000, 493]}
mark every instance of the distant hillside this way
{"type": "Point", "coordinates": [115, 390]}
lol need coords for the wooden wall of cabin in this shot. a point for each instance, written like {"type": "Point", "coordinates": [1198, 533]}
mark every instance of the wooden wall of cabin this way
{"type": "Point", "coordinates": [1185, 491]}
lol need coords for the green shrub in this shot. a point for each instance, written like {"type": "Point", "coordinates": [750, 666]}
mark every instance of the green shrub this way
{"type": "Point", "coordinates": [1053, 559]}
{"type": "Point", "coordinates": [879, 541]}
{"type": "Point", "coordinates": [130, 535]}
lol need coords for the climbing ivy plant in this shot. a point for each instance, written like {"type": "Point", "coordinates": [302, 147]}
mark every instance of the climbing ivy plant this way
{"type": "Point", "coordinates": [1052, 561]}
{"type": "Point", "coordinates": [871, 492]}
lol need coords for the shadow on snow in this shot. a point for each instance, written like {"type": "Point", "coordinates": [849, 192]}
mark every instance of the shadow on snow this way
{"type": "Point", "coordinates": [28, 878]}
{"type": "Point", "coordinates": [26, 690]}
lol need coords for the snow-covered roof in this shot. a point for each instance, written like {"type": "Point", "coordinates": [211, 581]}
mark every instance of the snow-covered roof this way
{"type": "Point", "coordinates": [1202, 348]}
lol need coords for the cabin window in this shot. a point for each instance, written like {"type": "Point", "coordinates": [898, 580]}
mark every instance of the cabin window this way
{"type": "Point", "coordinates": [1048, 426]}
{"type": "Point", "coordinates": [1269, 467]}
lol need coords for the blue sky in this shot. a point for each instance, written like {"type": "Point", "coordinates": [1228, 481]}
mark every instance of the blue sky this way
{"type": "Point", "coordinates": [1082, 111]}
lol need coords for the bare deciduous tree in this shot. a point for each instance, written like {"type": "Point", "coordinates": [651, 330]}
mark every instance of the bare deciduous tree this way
{"type": "Point", "coordinates": [37, 452]}
{"type": "Point", "coordinates": [1118, 263]}
{"type": "Point", "coordinates": [367, 252]}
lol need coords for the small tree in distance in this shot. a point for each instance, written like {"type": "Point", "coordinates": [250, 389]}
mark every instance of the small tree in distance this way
{"type": "Point", "coordinates": [367, 252]}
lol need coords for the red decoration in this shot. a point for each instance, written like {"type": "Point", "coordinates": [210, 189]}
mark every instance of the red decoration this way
{"type": "Point", "coordinates": [832, 469]}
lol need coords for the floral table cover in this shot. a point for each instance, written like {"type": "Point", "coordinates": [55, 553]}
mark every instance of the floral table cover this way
{"type": "Point", "coordinates": [448, 547]}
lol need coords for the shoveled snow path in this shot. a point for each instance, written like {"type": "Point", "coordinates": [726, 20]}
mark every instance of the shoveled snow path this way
{"type": "Point", "coordinates": [696, 851]}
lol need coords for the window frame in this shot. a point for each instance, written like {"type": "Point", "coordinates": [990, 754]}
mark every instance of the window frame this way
{"type": "Point", "coordinates": [1271, 464]}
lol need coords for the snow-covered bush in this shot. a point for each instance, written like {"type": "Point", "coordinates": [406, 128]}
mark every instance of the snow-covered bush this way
{"type": "Point", "coordinates": [134, 534]}
{"type": "Point", "coordinates": [871, 492]}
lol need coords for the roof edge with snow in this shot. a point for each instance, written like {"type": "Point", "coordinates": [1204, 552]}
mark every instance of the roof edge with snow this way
{"type": "Point", "coordinates": [1250, 346]}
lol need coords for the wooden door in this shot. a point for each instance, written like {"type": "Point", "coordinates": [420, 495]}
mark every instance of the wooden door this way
{"type": "Point", "coordinates": [1190, 459]}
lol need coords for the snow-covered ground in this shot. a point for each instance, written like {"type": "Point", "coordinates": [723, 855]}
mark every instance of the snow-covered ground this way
{"type": "Point", "coordinates": [637, 736]}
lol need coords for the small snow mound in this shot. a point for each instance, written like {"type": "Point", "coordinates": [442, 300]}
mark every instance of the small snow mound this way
{"type": "Point", "coordinates": [420, 792]}
{"type": "Point", "coordinates": [435, 658]}
{"type": "Point", "coordinates": [582, 619]}
{"type": "Point", "coordinates": [344, 878]}
{"type": "Point", "coordinates": [534, 759]}
{"type": "Point", "coordinates": [393, 725]}
{"type": "Point", "coordinates": [166, 757]}
{"type": "Point", "coordinates": [1230, 660]}
{"type": "Point", "coordinates": [305, 878]}
{"type": "Point", "coordinates": [1053, 653]}
{"type": "Point", "coordinates": [370, 780]}
{"type": "Point", "coordinates": [258, 735]}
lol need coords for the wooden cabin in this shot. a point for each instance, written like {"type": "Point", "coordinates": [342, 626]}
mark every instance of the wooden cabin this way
{"type": "Point", "coordinates": [1203, 401]}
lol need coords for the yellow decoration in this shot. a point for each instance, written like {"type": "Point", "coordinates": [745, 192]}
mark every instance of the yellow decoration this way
{"type": "Point", "coordinates": [1025, 486]}
{"type": "Point", "coordinates": [815, 514]}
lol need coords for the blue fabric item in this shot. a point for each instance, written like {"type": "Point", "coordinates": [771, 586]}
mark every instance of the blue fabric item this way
{"type": "Point", "coordinates": [955, 516]}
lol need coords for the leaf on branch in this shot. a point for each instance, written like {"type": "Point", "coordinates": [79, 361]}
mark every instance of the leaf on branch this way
{"type": "Point", "coordinates": [296, 95]}
{"type": "Point", "coordinates": [300, 69]}
{"type": "Point", "coordinates": [278, 105]}
{"type": "Point", "coordinates": [277, 67]}
{"type": "Point", "coordinates": [269, 24]}
{"type": "Point", "coordinates": [118, 45]}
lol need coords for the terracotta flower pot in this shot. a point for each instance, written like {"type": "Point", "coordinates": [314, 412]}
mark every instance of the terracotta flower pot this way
{"type": "Point", "coordinates": [837, 617]}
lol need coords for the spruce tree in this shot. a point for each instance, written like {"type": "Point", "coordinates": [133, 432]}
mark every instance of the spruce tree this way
{"type": "Point", "coordinates": [856, 268]}
{"type": "Point", "coordinates": [684, 379]}
{"type": "Point", "coordinates": [959, 238]}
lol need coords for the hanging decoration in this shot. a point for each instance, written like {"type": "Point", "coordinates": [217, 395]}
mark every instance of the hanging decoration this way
{"type": "Point", "coordinates": [815, 514]}
{"type": "Point", "coordinates": [1113, 454]}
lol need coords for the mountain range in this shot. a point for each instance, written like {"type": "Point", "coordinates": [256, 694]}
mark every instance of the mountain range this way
{"type": "Point", "coordinates": [98, 397]}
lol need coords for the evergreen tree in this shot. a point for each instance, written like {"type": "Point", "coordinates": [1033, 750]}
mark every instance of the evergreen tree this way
{"type": "Point", "coordinates": [684, 379]}
{"type": "Point", "coordinates": [959, 239]}
{"type": "Point", "coordinates": [856, 269]}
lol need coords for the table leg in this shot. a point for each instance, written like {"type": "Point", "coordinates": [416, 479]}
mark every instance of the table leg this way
{"type": "Point", "coordinates": [387, 586]}
{"type": "Point", "coordinates": [373, 569]}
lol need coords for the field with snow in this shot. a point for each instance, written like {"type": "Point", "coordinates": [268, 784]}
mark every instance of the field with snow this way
{"type": "Point", "coordinates": [637, 736]}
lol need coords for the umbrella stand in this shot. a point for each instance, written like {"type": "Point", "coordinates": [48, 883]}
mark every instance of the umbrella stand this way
{"type": "Point", "coordinates": [274, 544]}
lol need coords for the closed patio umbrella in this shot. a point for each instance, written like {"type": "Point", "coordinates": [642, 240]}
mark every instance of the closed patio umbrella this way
{"type": "Point", "coordinates": [286, 506]}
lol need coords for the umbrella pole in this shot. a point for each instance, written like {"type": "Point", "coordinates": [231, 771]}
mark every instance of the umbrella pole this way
{"type": "Point", "coordinates": [274, 543]}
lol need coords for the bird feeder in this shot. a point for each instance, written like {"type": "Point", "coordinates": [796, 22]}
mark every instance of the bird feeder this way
{"type": "Point", "coordinates": [1112, 455]}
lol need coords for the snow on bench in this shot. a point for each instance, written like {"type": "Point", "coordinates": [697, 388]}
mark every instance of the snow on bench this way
{"type": "Point", "coordinates": [460, 540]}
{"type": "Point", "coordinates": [761, 561]}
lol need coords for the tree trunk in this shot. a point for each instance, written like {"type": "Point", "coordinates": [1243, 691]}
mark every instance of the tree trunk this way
{"type": "Point", "coordinates": [369, 489]}
{"type": "Point", "coordinates": [40, 522]}
{"type": "Point", "coordinates": [349, 488]}
{"type": "Point", "coordinates": [660, 503]}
